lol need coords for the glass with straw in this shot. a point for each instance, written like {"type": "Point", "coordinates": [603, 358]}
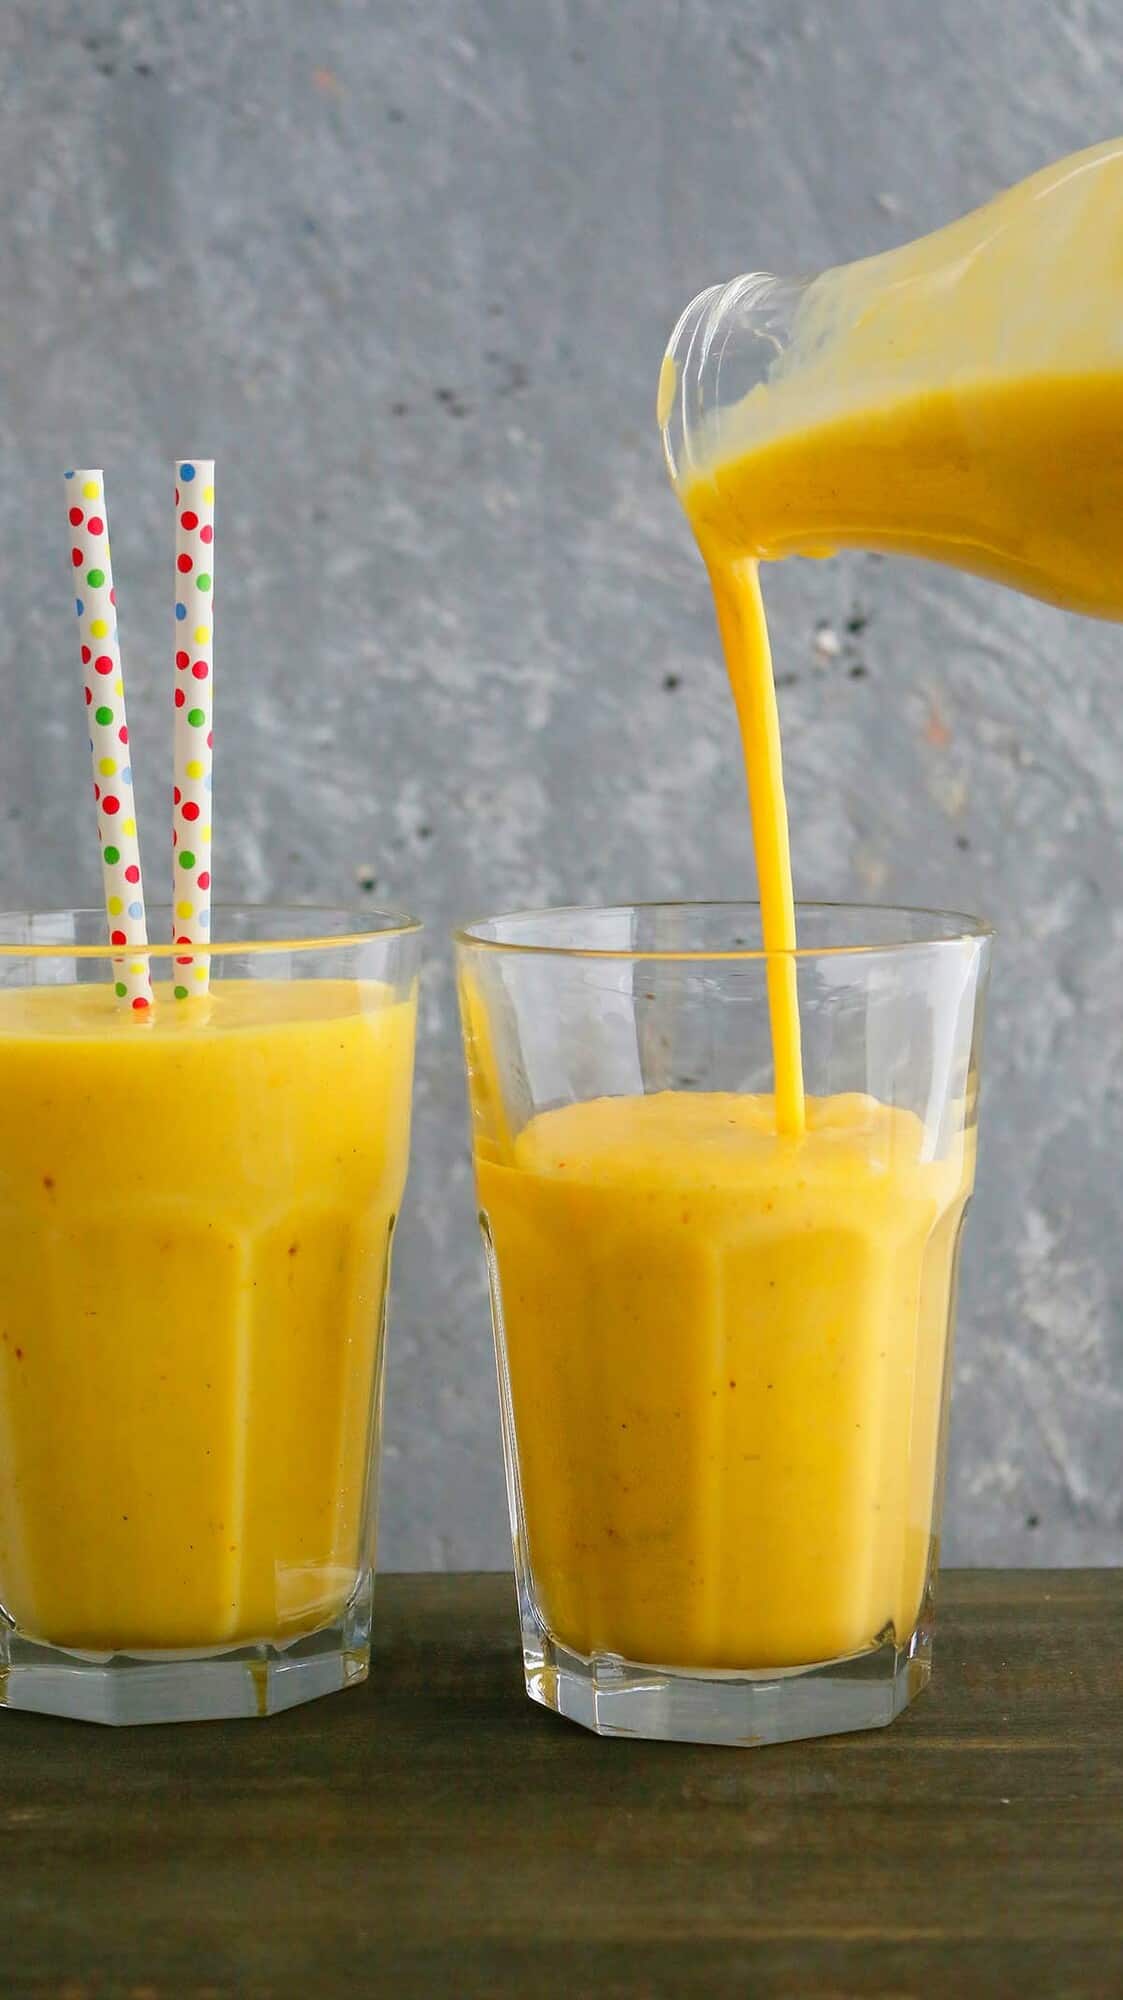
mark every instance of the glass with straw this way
{"type": "Point", "coordinates": [197, 1202]}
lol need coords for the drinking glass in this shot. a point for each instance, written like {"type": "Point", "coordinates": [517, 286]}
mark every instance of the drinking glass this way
{"type": "Point", "coordinates": [724, 1352]}
{"type": "Point", "coordinates": [196, 1215]}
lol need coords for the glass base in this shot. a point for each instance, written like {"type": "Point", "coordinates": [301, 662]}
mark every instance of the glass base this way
{"type": "Point", "coordinates": [618, 1697]}
{"type": "Point", "coordinates": [205, 1686]}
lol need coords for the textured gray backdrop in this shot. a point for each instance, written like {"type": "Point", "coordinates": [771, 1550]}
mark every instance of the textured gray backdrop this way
{"type": "Point", "coordinates": [407, 272]}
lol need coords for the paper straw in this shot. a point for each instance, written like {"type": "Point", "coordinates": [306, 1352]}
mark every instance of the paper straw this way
{"type": "Point", "coordinates": [194, 740]}
{"type": "Point", "coordinates": [96, 604]}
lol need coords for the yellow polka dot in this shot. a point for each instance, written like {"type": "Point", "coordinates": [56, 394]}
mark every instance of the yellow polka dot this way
{"type": "Point", "coordinates": [114, 905]}
{"type": "Point", "coordinates": [202, 634]}
{"type": "Point", "coordinates": [208, 495]}
{"type": "Point", "coordinates": [194, 769]}
{"type": "Point", "coordinates": [128, 827]}
{"type": "Point", "coordinates": [136, 965]}
{"type": "Point", "coordinates": [200, 972]}
{"type": "Point", "coordinates": [98, 628]}
{"type": "Point", "coordinates": [204, 833]}
{"type": "Point", "coordinates": [107, 766]}
{"type": "Point", "coordinates": [118, 687]}
{"type": "Point", "coordinates": [185, 910]}
{"type": "Point", "coordinates": [89, 490]}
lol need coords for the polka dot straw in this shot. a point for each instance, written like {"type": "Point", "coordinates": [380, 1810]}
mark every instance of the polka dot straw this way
{"type": "Point", "coordinates": [96, 605]}
{"type": "Point", "coordinates": [194, 684]}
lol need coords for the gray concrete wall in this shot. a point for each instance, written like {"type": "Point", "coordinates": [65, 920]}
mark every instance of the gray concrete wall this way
{"type": "Point", "coordinates": [408, 271]}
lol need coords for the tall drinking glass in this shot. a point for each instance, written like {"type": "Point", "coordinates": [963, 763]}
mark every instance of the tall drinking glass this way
{"type": "Point", "coordinates": [724, 1353]}
{"type": "Point", "coordinates": [196, 1213]}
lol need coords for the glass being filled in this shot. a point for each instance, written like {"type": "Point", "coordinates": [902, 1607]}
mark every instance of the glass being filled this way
{"type": "Point", "coordinates": [724, 1287]}
{"type": "Point", "coordinates": [724, 1347]}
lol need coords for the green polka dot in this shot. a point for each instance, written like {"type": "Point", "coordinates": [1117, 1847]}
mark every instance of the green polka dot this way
{"type": "Point", "coordinates": [103, 715]}
{"type": "Point", "coordinates": [181, 993]}
{"type": "Point", "coordinates": [120, 989]}
{"type": "Point", "coordinates": [112, 853]}
{"type": "Point", "coordinates": [186, 859]}
{"type": "Point", "coordinates": [202, 581]}
{"type": "Point", "coordinates": [95, 578]}
{"type": "Point", "coordinates": [196, 717]}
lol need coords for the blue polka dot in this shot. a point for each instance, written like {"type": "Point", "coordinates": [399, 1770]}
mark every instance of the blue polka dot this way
{"type": "Point", "coordinates": [127, 775]}
{"type": "Point", "coordinates": [91, 742]}
{"type": "Point", "coordinates": [79, 606]}
{"type": "Point", "coordinates": [203, 919]}
{"type": "Point", "coordinates": [181, 611]}
{"type": "Point", "coordinates": [136, 909]}
{"type": "Point", "coordinates": [187, 472]}
{"type": "Point", "coordinates": [70, 474]}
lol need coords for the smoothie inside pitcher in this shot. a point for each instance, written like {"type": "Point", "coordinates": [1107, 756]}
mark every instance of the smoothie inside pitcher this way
{"type": "Point", "coordinates": [727, 1317]}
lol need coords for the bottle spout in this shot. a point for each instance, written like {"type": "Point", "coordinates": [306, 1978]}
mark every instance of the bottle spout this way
{"type": "Point", "coordinates": [730, 340]}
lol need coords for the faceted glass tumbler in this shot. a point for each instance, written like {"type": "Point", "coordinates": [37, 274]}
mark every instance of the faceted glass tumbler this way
{"type": "Point", "coordinates": [196, 1216]}
{"type": "Point", "coordinates": [724, 1352]}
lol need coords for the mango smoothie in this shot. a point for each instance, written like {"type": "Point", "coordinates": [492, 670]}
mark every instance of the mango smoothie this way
{"type": "Point", "coordinates": [726, 1364]}
{"type": "Point", "coordinates": [195, 1224]}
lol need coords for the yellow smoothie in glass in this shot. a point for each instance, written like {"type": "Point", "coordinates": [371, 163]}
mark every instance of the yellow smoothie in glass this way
{"type": "Point", "coordinates": [726, 1362]}
{"type": "Point", "coordinates": [195, 1224]}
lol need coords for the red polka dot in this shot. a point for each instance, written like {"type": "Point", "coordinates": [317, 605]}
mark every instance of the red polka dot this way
{"type": "Point", "coordinates": [103, 664]}
{"type": "Point", "coordinates": [184, 563]}
{"type": "Point", "coordinates": [189, 519]}
{"type": "Point", "coordinates": [132, 873]}
{"type": "Point", "coordinates": [182, 660]}
{"type": "Point", "coordinates": [183, 961]}
{"type": "Point", "coordinates": [85, 656]}
{"type": "Point", "coordinates": [110, 804]}
{"type": "Point", "coordinates": [176, 794]}
{"type": "Point", "coordinates": [175, 838]}
{"type": "Point", "coordinates": [200, 670]}
{"type": "Point", "coordinates": [113, 595]}
{"type": "Point", "coordinates": [177, 496]}
{"type": "Point", "coordinates": [210, 739]}
{"type": "Point", "coordinates": [76, 558]}
{"type": "Point", "coordinates": [75, 517]}
{"type": "Point", "coordinates": [204, 880]}
{"type": "Point", "coordinates": [180, 697]}
{"type": "Point", "coordinates": [96, 525]}
{"type": "Point", "coordinates": [89, 696]}
{"type": "Point", "coordinates": [118, 937]}
{"type": "Point", "coordinates": [206, 535]}
{"type": "Point", "coordinates": [191, 810]}
{"type": "Point", "coordinates": [140, 1004]}
{"type": "Point", "coordinates": [123, 734]}
{"type": "Point", "coordinates": [97, 791]}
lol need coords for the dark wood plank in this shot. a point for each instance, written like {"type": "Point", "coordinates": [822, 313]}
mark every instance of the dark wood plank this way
{"type": "Point", "coordinates": [433, 1833]}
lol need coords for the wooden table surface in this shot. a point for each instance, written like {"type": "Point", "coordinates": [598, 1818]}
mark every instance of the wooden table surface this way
{"type": "Point", "coordinates": [434, 1834]}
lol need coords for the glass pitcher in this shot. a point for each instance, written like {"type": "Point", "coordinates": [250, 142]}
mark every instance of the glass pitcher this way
{"type": "Point", "coordinates": [958, 398]}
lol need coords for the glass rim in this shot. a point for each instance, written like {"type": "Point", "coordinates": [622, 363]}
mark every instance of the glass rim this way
{"type": "Point", "coordinates": [357, 928]}
{"type": "Point", "coordinates": [958, 927]}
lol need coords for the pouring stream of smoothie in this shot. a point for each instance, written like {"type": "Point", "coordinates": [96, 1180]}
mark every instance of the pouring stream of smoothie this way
{"type": "Point", "coordinates": [959, 399]}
